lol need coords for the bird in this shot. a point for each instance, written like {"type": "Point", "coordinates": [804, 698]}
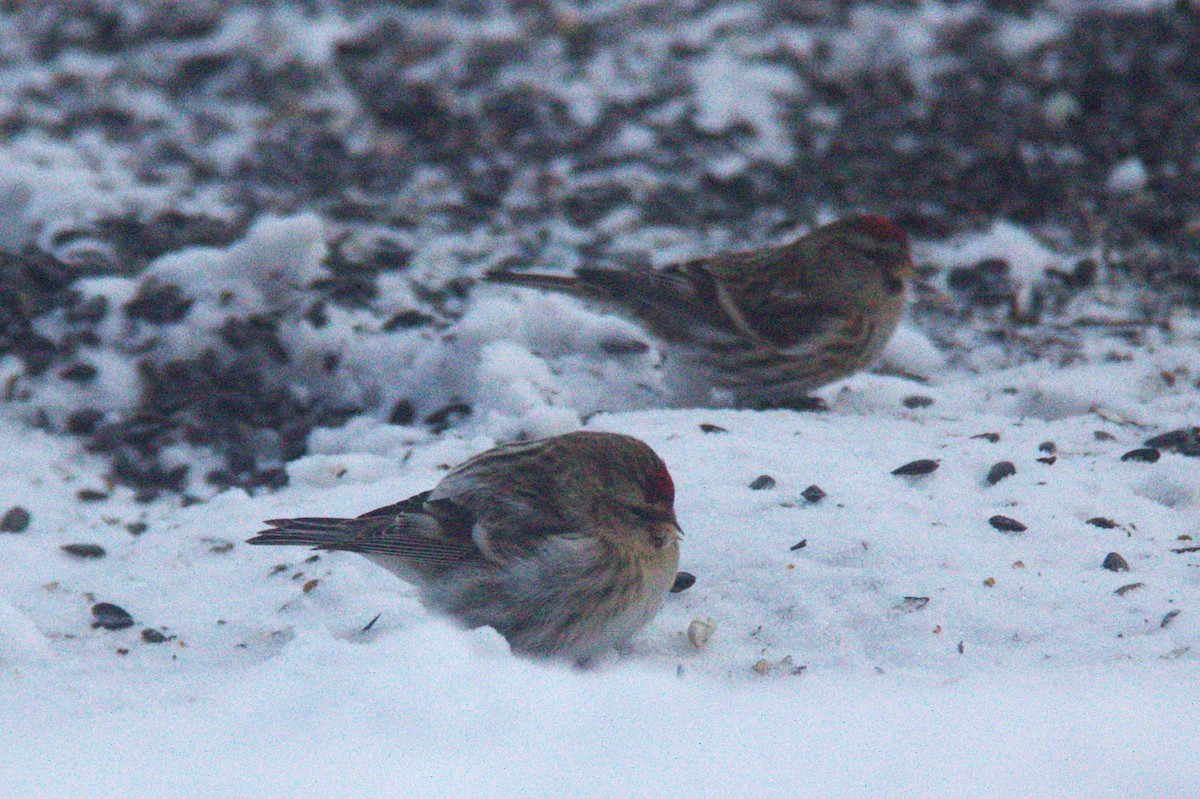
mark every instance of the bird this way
{"type": "Point", "coordinates": [769, 324]}
{"type": "Point", "coordinates": [564, 545]}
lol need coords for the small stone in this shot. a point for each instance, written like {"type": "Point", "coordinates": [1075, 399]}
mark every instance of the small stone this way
{"type": "Point", "coordinates": [1048, 447]}
{"type": "Point", "coordinates": [799, 545]}
{"type": "Point", "coordinates": [917, 401]}
{"type": "Point", "coordinates": [813, 493]}
{"type": "Point", "coordinates": [699, 631]}
{"type": "Point", "coordinates": [15, 520]}
{"type": "Point", "coordinates": [917, 467]}
{"type": "Point", "coordinates": [310, 585]}
{"type": "Point", "coordinates": [1125, 589]}
{"type": "Point", "coordinates": [990, 582]}
{"type": "Point", "coordinates": [762, 668]}
{"type": "Point", "coordinates": [1102, 523]}
{"type": "Point", "coordinates": [990, 437]}
{"type": "Point", "coordinates": [90, 495]}
{"type": "Point", "coordinates": [762, 482]}
{"type": "Point", "coordinates": [1184, 550]}
{"type": "Point", "coordinates": [705, 427]}
{"type": "Point", "coordinates": [1115, 563]}
{"type": "Point", "coordinates": [683, 581]}
{"type": "Point", "coordinates": [1169, 617]}
{"type": "Point", "coordinates": [911, 603]}
{"type": "Point", "coordinates": [85, 551]}
{"type": "Point", "coordinates": [999, 471]}
{"type": "Point", "coordinates": [153, 636]}
{"type": "Point", "coordinates": [1103, 435]}
{"type": "Point", "coordinates": [1049, 460]}
{"type": "Point", "coordinates": [137, 528]}
{"type": "Point", "coordinates": [110, 616]}
{"type": "Point", "coordinates": [1006, 524]}
{"type": "Point", "coordinates": [1142, 455]}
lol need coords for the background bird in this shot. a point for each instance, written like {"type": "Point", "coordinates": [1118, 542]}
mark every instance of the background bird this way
{"type": "Point", "coordinates": [769, 324]}
{"type": "Point", "coordinates": [565, 545]}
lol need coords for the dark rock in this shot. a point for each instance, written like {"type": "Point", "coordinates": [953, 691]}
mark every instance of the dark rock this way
{"type": "Point", "coordinates": [990, 437]}
{"type": "Point", "coordinates": [90, 495]}
{"type": "Point", "coordinates": [683, 581]}
{"type": "Point", "coordinates": [999, 471]}
{"type": "Point", "coordinates": [1049, 460]}
{"type": "Point", "coordinates": [705, 427]}
{"type": "Point", "coordinates": [1104, 435]}
{"type": "Point", "coordinates": [917, 467]}
{"type": "Point", "coordinates": [1125, 589]}
{"type": "Point", "coordinates": [1102, 523]}
{"type": "Point", "coordinates": [15, 520]}
{"type": "Point", "coordinates": [799, 545]}
{"type": "Point", "coordinates": [1115, 563]}
{"type": "Point", "coordinates": [110, 616]}
{"type": "Point", "coordinates": [917, 401]}
{"type": "Point", "coordinates": [1169, 617]}
{"type": "Point", "coordinates": [762, 482]}
{"type": "Point", "coordinates": [137, 528]}
{"type": "Point", "coordinates": [85, 551]}
{"type": "Point", "coordinates": [814, 493]}
{"type": "Point", "coordinates": [1006, 524]}
{"type": "Point", "coordinates": [1142, 455]}
{"type": "Point", "coordinates": [1048, 447]}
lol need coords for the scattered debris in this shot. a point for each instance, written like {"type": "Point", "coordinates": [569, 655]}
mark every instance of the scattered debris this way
{"type": "Point", "coordinates": [1006, 524]}
{"type": "Point", "coordinates": [762, 482]}
{"type": "Point", "coordinates": [683, 581]}
{"type": "Point", "coordinates": [1115, 563]}
{"type": "Point", "coordinates": [110, 616]}
{"type": "Point", "coordinates": [999, 471]}
{"type": "Point", "coordinates": [84, 551]}
{"type": "Point", "coordinates": [813, 493]}
{"type": "Point", "coordinates": [699, 631]}
{"type": "Point", "coordinates": [15, 520]}
{"type": "Point", "coordinates": [917, 467]}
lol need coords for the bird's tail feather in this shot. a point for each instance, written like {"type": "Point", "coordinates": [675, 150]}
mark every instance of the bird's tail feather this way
{"type": "Point", "coordinates": [326, 533]}
{"type": "Point", "coordinates": [564, 284]}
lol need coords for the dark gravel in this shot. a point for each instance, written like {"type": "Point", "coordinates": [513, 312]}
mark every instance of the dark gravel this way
{"type": "Point", "coordinates": [1029, 135]}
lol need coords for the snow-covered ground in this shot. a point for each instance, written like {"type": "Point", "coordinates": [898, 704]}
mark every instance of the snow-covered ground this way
{"type": "Point", "coordinates": [238, 247]}
{"type": "Point", "coordinates": [909, 648]}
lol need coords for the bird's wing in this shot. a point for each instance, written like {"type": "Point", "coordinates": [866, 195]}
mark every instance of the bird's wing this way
{"type": "Point", "coordinates": [404, 530]}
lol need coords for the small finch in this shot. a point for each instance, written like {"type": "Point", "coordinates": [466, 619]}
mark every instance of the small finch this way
{"type": "Point", "coordinates": [565, 545]}
{"type": "Point", "coordinates": [767, 324]}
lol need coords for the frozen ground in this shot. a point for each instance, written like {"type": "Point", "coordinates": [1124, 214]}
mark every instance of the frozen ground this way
{"type": "Point", "coordinates": [237, 247]}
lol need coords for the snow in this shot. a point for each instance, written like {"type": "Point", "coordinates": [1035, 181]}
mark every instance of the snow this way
{"type": "Point", "coordinates": [828, 672]}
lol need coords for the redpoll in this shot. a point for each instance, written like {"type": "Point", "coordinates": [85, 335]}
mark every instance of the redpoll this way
{"type": "Point", "coordinates": [767, 324]}
{"type": "Point", "coordinates": [565, 545]}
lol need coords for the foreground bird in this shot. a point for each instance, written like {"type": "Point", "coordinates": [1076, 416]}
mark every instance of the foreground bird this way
{"type": "Point", "coordinates": [769, 324]}
{"type": "Point", "coordinates": [565, 545]}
